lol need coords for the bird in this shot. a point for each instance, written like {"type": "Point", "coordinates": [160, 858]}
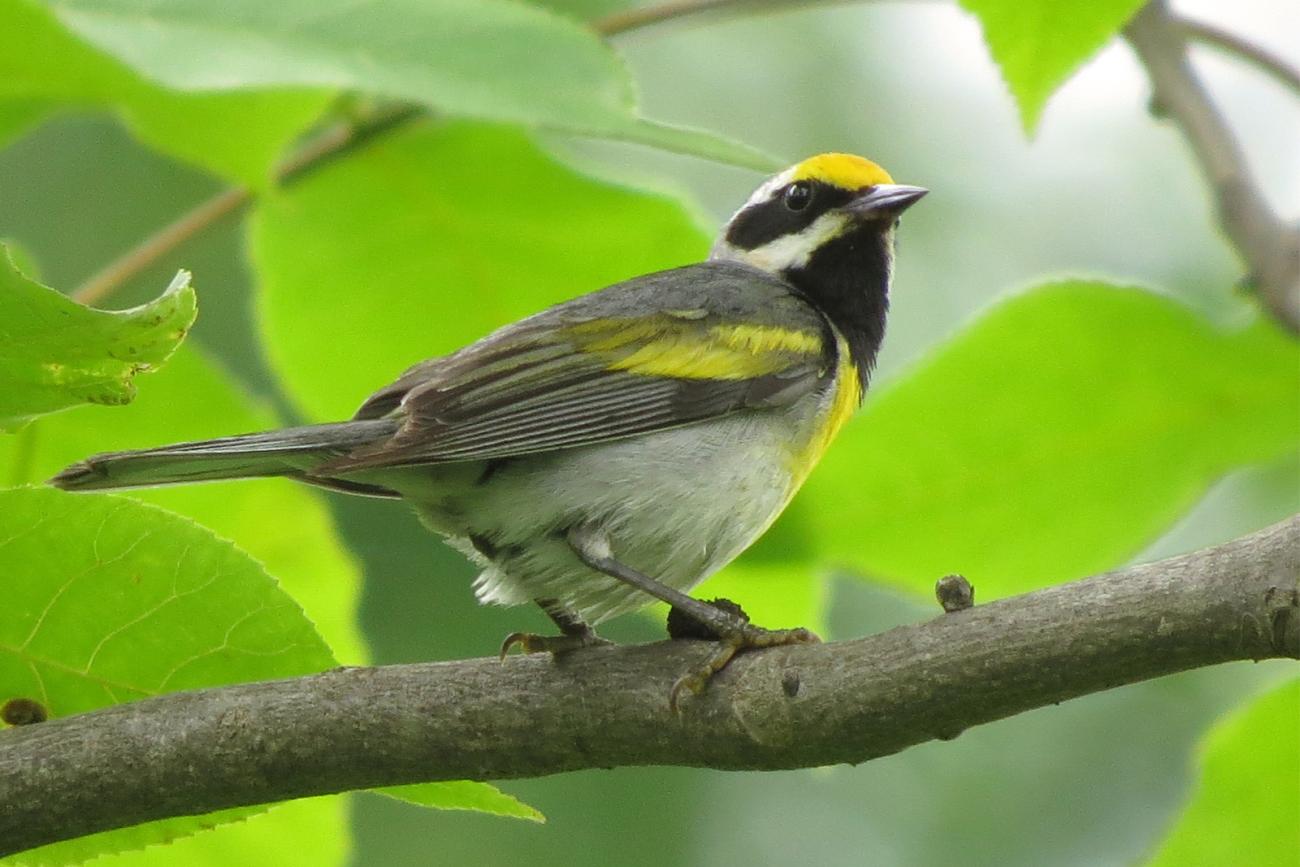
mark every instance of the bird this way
{"type": "Point", "coordinates": [622, 446]}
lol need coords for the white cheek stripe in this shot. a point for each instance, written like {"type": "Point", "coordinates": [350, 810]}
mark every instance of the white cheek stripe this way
{"type": "Point", "coordinates": [787, 251]}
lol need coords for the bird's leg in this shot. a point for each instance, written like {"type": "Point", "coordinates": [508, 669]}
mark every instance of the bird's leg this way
{"type": "Point", "coordinates": [574, 632]}
{"type": "Point", "coordinates": [734, 632]}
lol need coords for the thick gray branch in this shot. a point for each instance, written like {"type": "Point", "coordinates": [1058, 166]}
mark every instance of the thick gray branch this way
{"type": "Point", "coordinates": [1270, 247]}
{"type": "Point", "coordinates": [783, 708]}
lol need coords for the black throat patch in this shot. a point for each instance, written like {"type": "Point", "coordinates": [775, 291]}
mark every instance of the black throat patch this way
{"type": "Point", "coordinates": [847, 278]}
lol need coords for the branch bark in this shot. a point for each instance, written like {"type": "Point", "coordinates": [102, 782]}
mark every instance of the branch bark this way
{"type": "Point", "coordinates": [1269, 246]}
{"type": "Point", "coordinates": [800, 706]}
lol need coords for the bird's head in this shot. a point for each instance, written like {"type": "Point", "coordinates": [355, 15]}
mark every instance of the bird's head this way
{"type": "Point", "coordinates": [826, 226]}
{"type": "Point", "coordinates": [798, 215]}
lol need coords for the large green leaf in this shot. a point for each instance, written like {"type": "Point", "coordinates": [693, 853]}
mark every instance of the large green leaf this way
{"type": "Point", "coordinates": [490, 59]}
{"type": "Point", "coordinates": [431, 239]}
{"type": "Point", "coordinates": [56, 353]}
{"type": "Point", "coordinates": [1054, 437]}
{"type": "Point", "coordinates": [192, 399]}
{"type": "Point", "coordinates": [286, 526]}
{"type": "Point", "coordinates": [16, 115]}
{"type": "Point", "coordinates": [310, 832]}
{"type": "Point", "coordinates": [109, 600]}
{"type": "Point", "coordinates": [238, 135]}
{"type": "Point", "coordinates": [1246, 809]}
{"type": "Point", "coordinates": [1038, 44]}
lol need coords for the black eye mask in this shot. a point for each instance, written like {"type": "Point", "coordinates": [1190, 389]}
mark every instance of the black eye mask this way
{"type": "Point", "coordinates": [791, 209]}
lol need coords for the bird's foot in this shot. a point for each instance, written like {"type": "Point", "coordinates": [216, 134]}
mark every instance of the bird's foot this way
{"type": "Point", "coordinates": [556, 645]}
{"type": "Point", "coordinates": [732, 639]}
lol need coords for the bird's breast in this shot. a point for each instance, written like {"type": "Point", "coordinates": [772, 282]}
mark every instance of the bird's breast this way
{"type": "Point", "coordinates": [835, 406]}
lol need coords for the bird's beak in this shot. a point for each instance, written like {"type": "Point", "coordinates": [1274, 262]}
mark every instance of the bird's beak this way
{"type": "Point", "coordinates": [885, 200]}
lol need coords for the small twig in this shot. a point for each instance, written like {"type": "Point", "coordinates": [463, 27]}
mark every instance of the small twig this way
{"type": "Point", "coordinates": [1270, 247]}
{"type": "Point", "coordinates": [331, 143]}
{"type": "Point", "coordinates": [335, 141]}
{"type": "Point", "coordinates": [1261, 58]}
{"type": "Point", "coordinates": [345, 136]}
{"type": "Point", "coordinates": [108, 279]}
{"type": "Point", "coordinates": [805, 705]}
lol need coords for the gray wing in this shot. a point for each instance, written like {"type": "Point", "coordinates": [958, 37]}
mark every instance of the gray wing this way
{"type": "Point", "coordinates": [656, 352]}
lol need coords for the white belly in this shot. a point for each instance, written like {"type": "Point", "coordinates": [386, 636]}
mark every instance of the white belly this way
{"type": "Point", "coordinates": [677, 505]}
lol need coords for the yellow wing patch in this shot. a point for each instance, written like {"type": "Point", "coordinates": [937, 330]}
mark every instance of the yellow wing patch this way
{"type": "Point", "coordinates": [654, 347]}
{"type": "Point", "coordinates": [843, 170]}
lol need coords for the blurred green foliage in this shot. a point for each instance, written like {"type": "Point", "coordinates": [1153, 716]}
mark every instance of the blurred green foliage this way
{"type": "Point", "coordinates": [430, 239]}
{"type": "Point", "coordinates": [1051, 439]}
{"type": "Point", "coordinates": [1058, 432]}
{"type": "Point", "coordinates": [236, 134]}
{"type": "Point", "coordinates": [1230, 805]}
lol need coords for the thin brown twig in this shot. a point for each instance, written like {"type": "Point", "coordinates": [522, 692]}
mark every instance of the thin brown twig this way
{"type": "Point", "coordinates": [1269, 246]}
{"type": "Point", "coordinates": [336, 140]}
{"type": "Point", "coordinates": [1261, 58]}
{"type": "Point", "coordinates": [113, 275]}
{"type": "Point", "coordinates": [329, 144]}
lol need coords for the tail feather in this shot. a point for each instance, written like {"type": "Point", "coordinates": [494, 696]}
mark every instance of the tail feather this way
{"type": "Point", "coordinates": [291, 451]}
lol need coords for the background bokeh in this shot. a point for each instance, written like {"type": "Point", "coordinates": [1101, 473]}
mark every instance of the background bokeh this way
{"type": "Point", "coordinates": [1100, 190]}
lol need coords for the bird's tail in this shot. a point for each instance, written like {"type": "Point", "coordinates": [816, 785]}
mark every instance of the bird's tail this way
{"type": "Point", "coordinates": [291, 451]}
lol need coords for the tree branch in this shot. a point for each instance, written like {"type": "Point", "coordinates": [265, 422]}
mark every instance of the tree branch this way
{"type": "Point", "coordinates": [1262, 59]}
{"type": "Point", "coordinates": [800, 706]}
{"type": "Point", "coordinates": [1270, 247]}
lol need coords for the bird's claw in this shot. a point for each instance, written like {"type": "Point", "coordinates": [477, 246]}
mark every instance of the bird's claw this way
{"type": "Point", "coordinates": [556, 645]}
{"type": "Point", "coordinates": [747, 638]}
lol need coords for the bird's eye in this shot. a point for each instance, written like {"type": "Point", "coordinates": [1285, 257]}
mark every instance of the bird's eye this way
{"type": "Point", "coordinates": [797, 195]}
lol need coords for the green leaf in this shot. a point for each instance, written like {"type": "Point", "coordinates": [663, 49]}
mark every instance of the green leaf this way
{"type": "Point", "coordinates": [17, 115]}
{"type": "Point", "coordinates": [1052, 438]}
{"type": "Point", "coordinates": [585, 10]}
{"type": "Point", "coordinates": [21, 258]}
{"type": "Point", "coordinates": [193, 399]}
{"type": "Point", "coordinates": [427, 241]}
{"type": "Point", "coordinates": [110, 600]}
{"type": "Point", "coordinates": [694, 142]}
{"type": "Point", "coordinates": [1038, 44]}
{"type": "Point", "coordinates": [238, 135]}
{"type": "Point", "coordinates": [461, 57]}
{"type": "Point", "coordinates": [463, 796]}
{"type": "Point", "coordinates": [56, 353]}
{"type": "Point", "coordinates": [310, 831]}
{"type": "Point", "coordinates": [189, 399]}
{"type": "Point", "coordinates": [1246, 808]}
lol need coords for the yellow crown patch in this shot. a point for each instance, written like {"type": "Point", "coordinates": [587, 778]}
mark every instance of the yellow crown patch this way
{"type": "Point", "coordinates": [842, 170]}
